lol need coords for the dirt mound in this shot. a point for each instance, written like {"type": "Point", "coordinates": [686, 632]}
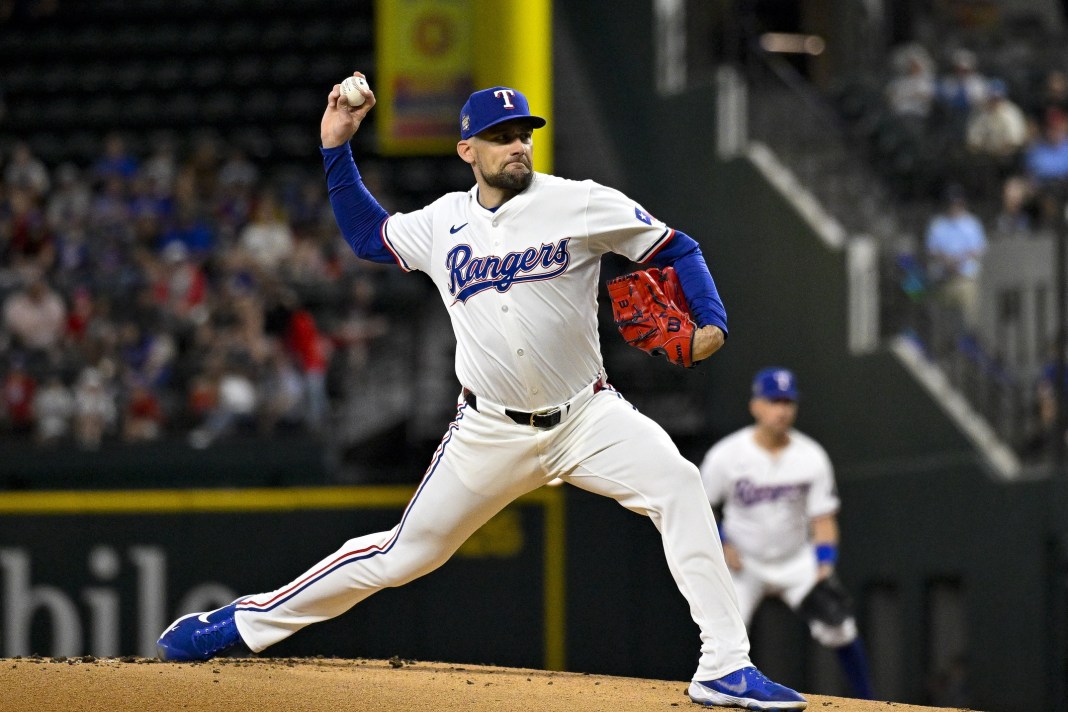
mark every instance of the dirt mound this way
{"type": "Point", "coordinates": [38, 684]}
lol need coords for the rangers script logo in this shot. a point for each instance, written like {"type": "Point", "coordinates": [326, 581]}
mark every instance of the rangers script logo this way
{"type": "Point", "coordinates": [749, 493]}
{"type": "Point", "coordinates": [470, 275]}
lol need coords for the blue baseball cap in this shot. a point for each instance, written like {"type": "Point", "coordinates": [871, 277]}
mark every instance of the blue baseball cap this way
{"type": "Point", "coordinates": [492, 106]}
{"type": "Point", "coordinates": [775, 384]}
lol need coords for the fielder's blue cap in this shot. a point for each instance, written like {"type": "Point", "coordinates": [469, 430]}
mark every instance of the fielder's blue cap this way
{"type": "Point", "coordinates": [775, 384]}
{"type": "Point", "coordinates": [492, 106]}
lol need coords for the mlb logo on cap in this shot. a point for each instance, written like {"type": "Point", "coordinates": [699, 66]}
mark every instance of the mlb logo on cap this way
{"type": "Point", "coordinates": [490, 107]}
{"type": "Point", "coordinates": [775, 384]}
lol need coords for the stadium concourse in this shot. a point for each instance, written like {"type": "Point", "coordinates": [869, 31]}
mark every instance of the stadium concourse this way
{"type": "Point", "coordinates": [293, 684]}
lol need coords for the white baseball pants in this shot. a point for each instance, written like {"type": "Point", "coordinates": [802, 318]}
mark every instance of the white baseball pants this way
{"type": "Point", "coordinates": [484, 462]}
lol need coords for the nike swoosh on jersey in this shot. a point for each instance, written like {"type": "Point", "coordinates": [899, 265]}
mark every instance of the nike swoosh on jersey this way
{"type": "Point", "coordinates": [453, 230]}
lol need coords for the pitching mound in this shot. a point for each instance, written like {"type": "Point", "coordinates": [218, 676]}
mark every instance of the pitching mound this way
{"type": "Point", "coordinates": [291, 685]}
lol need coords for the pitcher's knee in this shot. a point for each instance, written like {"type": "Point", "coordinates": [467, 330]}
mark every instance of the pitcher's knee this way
{"type": "Point", "coordinates": [410, 565]}
{"type": "Point", "coordinates": [683, 481]}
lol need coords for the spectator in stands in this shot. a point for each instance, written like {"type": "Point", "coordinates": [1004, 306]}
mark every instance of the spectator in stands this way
{"type": "Point", "coordinates": [202, 169]}
{"type": "Point", "coordinates": [955, 243]}
{"type": "Point", "coordinates": [281, 394]}
{"type": "Point", "coordinates": [109, 211]}
{"type": "Point", "coordinates": [67, 215]}
{"type": "Point", "coordinates": [161, 168]}
{"type": "Point", "coordinates": [235, 199]}
{"type": "Point", "coordinates": [309, 211]}
{"type": "Point", "coordinates": [146, 355]}
{"type": "Point", "coordinates": [1053, 95]}
{"type": "Point", "coordinates": [80, 314]}
{"type": "Point", "coordinates": [147, 231]}
{"type": "Point", "coordinates": [68, 204]}
{"type": "Point", "coordinates": [310, 350]}
{"type": "Point", "coordinates": [161, 351]}
{"type": "Point", "coordinates": [116, 161]}
{"type": "Point", "coordinates": [94, 408]}
{"type": "Point", "coordinates": [994, 136]}
{"type": "Point", "coordinates": [53, 409]}
{"type": "Point", "coordinates": [180, 287]}
{"type": "Point", "coordinates": [26, 172]}
{"type": "Point", "coordinates": [142, 419]}
{"type": "Point", "coordinates": [267, 239]}
{"type": "Point", "coordinates": [91, 330]}
{"type": "Point", "coordinates": [235, 406]}
{"type": "Point", "coordinates": [960, 92]}
{"type": "Point", "coordinates": [998, 128]}
{"type": "Point", "coordinates": [361, 325]}
{"type": "Point", "coordinates": [19, 388]}
{"type": "Point", "coordinates": [202, 388]}
{"type": "Point", "coordinates": [238, 172]}
{"type": "Point", "coordinates": [912, 90]}
{"type": "Point", "coordinates": [1046, 158]}
{"type": "Point", "coordinates": [30, 248]}
{"type": "Point", "coordinates": [312, 262]}
{"type": "Point", "coordinates": [73, 262]}
{"type": "Point", "coordinates": [1016, 217]}
{"type": "Point", "coordinates": [192, 229]}
{"type": "Point", "coordinates": [1047, 385]}
{"type": "Point", "coordinates": [36, 318]}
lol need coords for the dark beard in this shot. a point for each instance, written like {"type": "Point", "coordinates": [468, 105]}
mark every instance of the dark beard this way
{"type": "Point", "coordinates": [514, 182]}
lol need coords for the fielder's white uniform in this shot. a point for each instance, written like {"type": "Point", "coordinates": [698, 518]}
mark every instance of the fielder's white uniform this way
{"type": "Point", "coordinates": [768, 503]}
{"type": "Point", "coordinates": [520, 285]}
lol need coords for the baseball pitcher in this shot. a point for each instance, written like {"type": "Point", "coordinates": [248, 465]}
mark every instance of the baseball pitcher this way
{"type": "Point", "coordinates": [780, 529]}
{"type": "Point", "coordinates": [516, 261]}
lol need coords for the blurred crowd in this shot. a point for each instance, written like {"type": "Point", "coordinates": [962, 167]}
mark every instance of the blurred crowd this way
{"type": "Point", "coordinates": [992, 153]}
{"type": "Point", "coordinates": [182, 293]}
{"type": "Point", "coordinates": [1003, 142]}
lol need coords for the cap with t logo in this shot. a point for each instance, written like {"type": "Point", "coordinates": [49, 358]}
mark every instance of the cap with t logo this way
{"type": "Point", "coordinates": [492, 106]}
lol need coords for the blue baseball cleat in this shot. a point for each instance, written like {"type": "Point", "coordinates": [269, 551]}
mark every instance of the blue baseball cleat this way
{"type": "Point", "coordinates": [746, 688]}
{"type": "Point", "coordinates": [199, 636]}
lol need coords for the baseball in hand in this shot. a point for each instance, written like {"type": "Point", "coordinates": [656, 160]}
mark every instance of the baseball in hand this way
{"type": "Point", "coordinates": [350, 89]}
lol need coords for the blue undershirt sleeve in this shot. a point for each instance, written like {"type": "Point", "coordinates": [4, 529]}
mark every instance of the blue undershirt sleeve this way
{"type": "Point", "coordinates": [358, 214]}
{"type": "Point", "coordinates": [684, 254]}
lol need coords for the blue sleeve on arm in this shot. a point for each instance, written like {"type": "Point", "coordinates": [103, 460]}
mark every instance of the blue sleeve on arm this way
{"type": "Point", "coordinates": [358, 214]}
{"type": "Point", "coordinates": [684, 254]}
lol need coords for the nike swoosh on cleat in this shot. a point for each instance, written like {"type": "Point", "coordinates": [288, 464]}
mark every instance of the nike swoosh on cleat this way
{"type": "Point", "coordinates": [203, 617]}
{"type": "Point", "coordinates": [738, 687]}
{"type": "Point", "coordinates": [453, 230]}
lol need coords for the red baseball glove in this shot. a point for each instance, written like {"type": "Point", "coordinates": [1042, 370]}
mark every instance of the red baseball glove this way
{"type": "Point", "coordinates": [651, 313]}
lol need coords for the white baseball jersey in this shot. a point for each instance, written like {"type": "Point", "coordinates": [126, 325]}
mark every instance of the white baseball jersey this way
{"type": "Point", "coordinates": [524, 347]}
{"type": "Point", "coordinates": [768, 500]}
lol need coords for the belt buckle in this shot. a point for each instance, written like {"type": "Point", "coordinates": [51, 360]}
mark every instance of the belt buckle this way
{"type": "Point", "coordinates": [542, 413]}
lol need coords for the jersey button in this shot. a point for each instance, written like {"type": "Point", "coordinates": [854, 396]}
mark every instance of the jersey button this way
{"type": "Point", "coordinates": [504, 308]}
{"type": "Point", "coordinates": [534, 389]}
{"type": "Point", "coordinates": [520, 352]}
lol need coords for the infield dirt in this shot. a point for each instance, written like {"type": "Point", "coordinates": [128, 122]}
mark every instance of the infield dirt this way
{"type": "Point", "coordinates": [325, 684]}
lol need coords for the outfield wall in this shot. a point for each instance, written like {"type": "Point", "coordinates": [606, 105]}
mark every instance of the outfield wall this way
{"type": "Point", "coordinates": [103, 572]}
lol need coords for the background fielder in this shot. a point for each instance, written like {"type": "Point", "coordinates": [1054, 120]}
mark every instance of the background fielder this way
{"type": "Point", "coordinates": [516, 261]}
{"type": "Point", "coordinates": [779, 524]}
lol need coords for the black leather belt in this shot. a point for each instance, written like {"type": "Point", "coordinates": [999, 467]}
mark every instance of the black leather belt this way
{"type": "Point", "coordinates": [538, 419]}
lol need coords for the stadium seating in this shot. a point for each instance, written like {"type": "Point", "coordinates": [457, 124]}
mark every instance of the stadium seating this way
{"type": "Point", "coordinates": [176, 65]}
